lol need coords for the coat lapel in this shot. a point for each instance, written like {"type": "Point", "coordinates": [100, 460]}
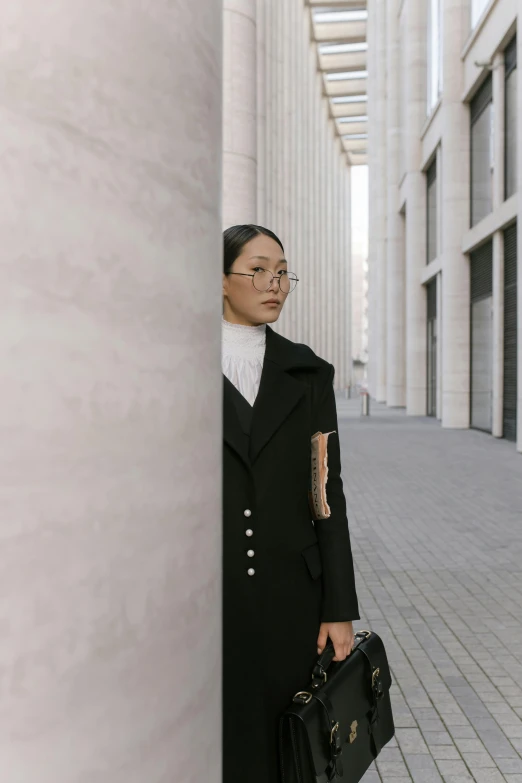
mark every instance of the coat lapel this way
{"type": "Point", "coordinates": [233, 432]}
{"type": "Point", "coordinates": [279, 391]}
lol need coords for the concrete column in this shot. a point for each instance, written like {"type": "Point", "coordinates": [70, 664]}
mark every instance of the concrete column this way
{"type": "Point", "coordinates": [455, 183]}
{"type": "Point", "coordinates": [308, 75]}
{"type": "Point", "coordinates": [347, 309]}
{"type": "Point", "coordinates": [340, 294]}
{"type": "Point", "coordinates": [498, 247]}
{"type": "Point", "coordinates": [316, 195]}
{"type": "Point", "coordinates": [293, 156]}
{"type": "Point", "coordinates": [373, 174]}
{"type": "Point", "coordinates": [239, 112]}
{"type": "Point", "coordinates": [381, 224]}
{"type": "Point", "coordinates": [261, 68]}
{"type": "Point", "coordinates": [519, 259]}
{"type": "Point", "coordinates": [111, 456]}
{"type": "Point", "coordinates": [323, 256]}
{"type": "Point", "coordinates": [331, 261]}
{"type": "Point", "coordinates": [395, 305]}
{"type": "Point", "coordinates": [415, 115]}
{"type": "Point", "coordinates": [277, 140]}
{"type": "Point", "coordinates": [298, 190]}
{"type": "Point", "coordinates": [270, 109]}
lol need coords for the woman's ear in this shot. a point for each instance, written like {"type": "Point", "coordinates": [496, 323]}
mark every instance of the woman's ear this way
{"type": "Point", "coordinates": [225, 284]}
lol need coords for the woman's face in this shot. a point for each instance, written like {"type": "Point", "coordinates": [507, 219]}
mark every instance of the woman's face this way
{"type": "Point", "coordinates": [245, 305]}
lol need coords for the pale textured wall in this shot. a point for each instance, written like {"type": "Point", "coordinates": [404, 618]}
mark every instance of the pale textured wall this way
{"type": "Point", "coordinates": [110, 419]}
{"type": "Point", "coordinates": [240, 108]}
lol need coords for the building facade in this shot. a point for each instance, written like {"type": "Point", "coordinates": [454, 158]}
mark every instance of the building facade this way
{"type": "Point", "coordinates": [445, 104]}
{"type": "Point", "coordinates": [294, 124]}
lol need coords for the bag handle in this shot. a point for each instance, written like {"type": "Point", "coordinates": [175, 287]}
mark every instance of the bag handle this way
{"type": "Point", "coordinates": [325, 659]}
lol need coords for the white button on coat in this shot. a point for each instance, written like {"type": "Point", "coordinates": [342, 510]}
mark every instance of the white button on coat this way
{"type": "Point", "coordinates": [247, 512]}
{"type": "Point", "coordinates": [249, 532]}
{"type": "Point", "coordinates": [251, 553]}
{"type": "Point", "coordinates": [251, 572]}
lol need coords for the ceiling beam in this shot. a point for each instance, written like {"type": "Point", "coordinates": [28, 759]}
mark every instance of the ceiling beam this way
{"type": "Point", "coordinates": [351, 5]}
{"type": "Point", "coordinates": [349, 109]}
{"type": "Point", "coordinates": [340, 32]}
{"type": "Point", "coordinates": [352, 127]}
{"type": "Point", "coordinates": [346, 87]}
{"type": "Point", "coordinates": [355, 144]}
{"type": "Point", "coordinates": [349, 61]}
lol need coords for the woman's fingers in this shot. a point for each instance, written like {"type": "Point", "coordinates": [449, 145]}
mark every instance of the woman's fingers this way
{"type": "Point", "coordinates": [341, 651]}
{"type": "Point", "coordinates": [322, 639]}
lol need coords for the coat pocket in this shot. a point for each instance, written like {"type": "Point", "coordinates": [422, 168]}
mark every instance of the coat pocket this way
{"type": "Point", "coordinates": [312, 558]}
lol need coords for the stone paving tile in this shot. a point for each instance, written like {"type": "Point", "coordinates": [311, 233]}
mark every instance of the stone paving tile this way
{"type": "Point", "coordinates": [435, 524]}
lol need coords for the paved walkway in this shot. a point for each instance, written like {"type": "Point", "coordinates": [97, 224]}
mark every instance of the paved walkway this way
{"type": "Point", "coordinates": [436, 524]}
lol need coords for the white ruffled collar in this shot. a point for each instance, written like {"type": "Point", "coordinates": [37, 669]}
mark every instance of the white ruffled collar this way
{"type": "Point", "coordinates": [248, 342]}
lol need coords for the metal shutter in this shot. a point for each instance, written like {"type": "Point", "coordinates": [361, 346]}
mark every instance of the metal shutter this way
{"type": "Point", "coordinates": [510, 333]}
{"type": "Point", "coordinates": [431, 353]}
{"type": "Point", "coordinates": [510, 56]}
{"type": "Point", "coordinates": [482, 99]}
{"type": "Point", "coordinates": [481, 357]}
{"type": "Point", "coordinates": [431, 289]}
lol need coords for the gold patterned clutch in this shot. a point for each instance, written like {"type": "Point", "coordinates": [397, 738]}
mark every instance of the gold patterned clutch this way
{"type": "Point", "coordinates": [317, 495]}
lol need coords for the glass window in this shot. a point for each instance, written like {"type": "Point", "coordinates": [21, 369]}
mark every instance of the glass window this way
{"type": "Point", "coordinates": [511, 119]}
{"type": "Point", "coordinates": [434, 52]}
{"type": "Point", "coordinates": [482, 153]}
{"type": "Point", "coordinates": [477, 9]}
{"type": "Point", "coordinates": [431, 217]}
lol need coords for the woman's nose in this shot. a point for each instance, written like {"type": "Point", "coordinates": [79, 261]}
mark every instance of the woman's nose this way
{"type": "Point", "coordinates": [274, 285]}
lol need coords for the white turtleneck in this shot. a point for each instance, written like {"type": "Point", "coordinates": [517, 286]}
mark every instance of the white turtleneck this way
{"type": "Point", "coordinates": [242, 357]}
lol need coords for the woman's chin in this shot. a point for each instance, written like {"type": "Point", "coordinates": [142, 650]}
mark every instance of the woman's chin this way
{"type": "Point", "coordinates": [270, 318]}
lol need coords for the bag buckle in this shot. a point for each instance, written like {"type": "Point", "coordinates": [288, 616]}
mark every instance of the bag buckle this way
{"type": "Point", "coordinates": [304, 697]}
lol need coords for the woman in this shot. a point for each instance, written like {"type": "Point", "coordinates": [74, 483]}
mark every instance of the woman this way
{"type": "Point", "coordinates": [288, 582]}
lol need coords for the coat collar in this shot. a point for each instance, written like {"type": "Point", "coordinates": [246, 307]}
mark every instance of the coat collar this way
{"type": "Point", "coordinates": [233, 432]}
{"type": "Point", "coordinates": [279, 393]}
{"type": "Point", "coordinates": [289, 355]}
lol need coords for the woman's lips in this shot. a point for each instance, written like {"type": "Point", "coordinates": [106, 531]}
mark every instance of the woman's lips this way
{"type": "Point", "coordinates": [273, 302]}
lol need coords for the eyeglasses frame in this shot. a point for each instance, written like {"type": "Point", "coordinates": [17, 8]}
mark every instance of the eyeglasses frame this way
{"type": "Point", "coordinates": [274, 277]}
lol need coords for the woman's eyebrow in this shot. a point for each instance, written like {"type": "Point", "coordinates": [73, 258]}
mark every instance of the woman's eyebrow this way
{"type": "Point", "coordinates": [265, 258]}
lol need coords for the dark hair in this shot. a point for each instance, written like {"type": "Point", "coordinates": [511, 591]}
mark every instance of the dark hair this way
{"type": "Point", "coordinates": [236, 237]}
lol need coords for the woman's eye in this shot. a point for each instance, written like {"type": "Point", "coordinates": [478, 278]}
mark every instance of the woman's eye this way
{"type": "Point", "coordinates": [283, 272]}
{"type": "Point", "coordinates": [258, 269]}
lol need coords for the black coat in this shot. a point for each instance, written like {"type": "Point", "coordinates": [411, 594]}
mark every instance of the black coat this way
{"type": "Point", "coordinates": [303, 571]}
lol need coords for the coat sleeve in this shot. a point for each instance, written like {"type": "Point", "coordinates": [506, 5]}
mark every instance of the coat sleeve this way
{"type": "Point", "coordinates": [339, 593]}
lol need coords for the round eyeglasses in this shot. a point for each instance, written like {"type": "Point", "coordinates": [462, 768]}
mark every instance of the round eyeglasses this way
{"type": "Point", "coordinates": [262, 280]}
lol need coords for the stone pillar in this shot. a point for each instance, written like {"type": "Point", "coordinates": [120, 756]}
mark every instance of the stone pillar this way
{"type": "Point", "coordinates": [381, 223]}
{"type": "Point", "coordinates": [270, 66]}
{"type": "Point", "coordinates": [373, 179]}
{"type": "Point", "coordinates": [308, 76]}
{"type": "Point", "coordinates": [415, 116]}
{"type": "Point", "coordinates": [455, 183]}
{"type": "Point", "coordinates": [331, 260]}
{"type": "Point", "coordinates": [110, 283]}
{"type": "Point", "coordinates": [498, 247]}
{"type": "Point", "coordinates": [261, 96]}
{"type": "Point", "coordinates": [347, 262]}
{"type": "Point", "coordinates": [239, 112]}
{"type": "Point", "coordinates": [395, 305]}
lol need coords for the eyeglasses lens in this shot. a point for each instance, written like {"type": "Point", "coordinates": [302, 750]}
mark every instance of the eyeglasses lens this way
{"type": "Point", "coordinates": [263, 281]}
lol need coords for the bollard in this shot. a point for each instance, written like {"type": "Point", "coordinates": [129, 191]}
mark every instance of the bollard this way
{"type": "Point", "coordinates": [365, 403]}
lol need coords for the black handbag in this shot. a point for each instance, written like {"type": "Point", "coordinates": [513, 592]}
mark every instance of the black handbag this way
{"type": "Point", "coordinates": [335, 728]}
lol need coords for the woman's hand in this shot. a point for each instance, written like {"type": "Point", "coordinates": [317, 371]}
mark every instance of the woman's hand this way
{"type": "Point", "coordinates": [341, 635]}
